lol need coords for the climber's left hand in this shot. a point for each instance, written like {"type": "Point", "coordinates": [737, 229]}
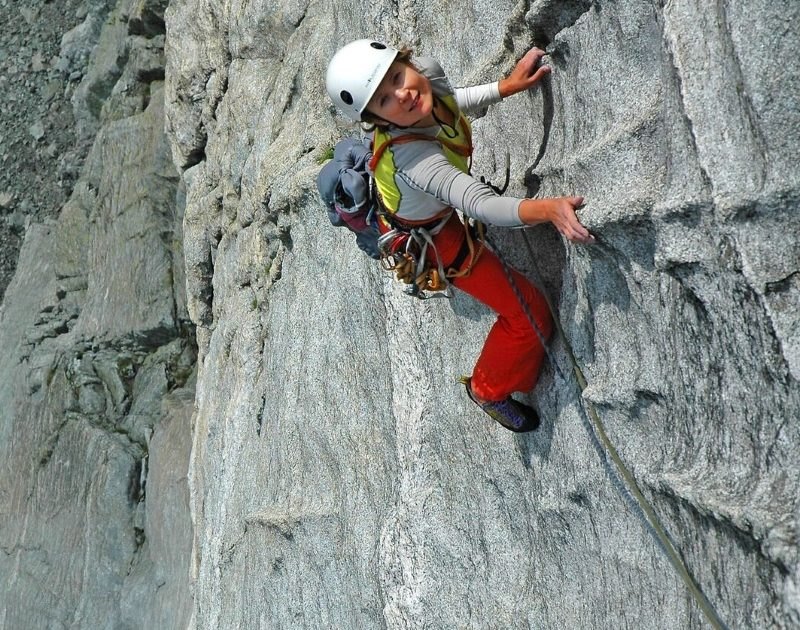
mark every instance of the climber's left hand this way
{"type": "Point", "coordinates": [525, 74]}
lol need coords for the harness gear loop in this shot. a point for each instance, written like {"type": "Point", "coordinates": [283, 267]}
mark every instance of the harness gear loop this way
{"type": "Point", "coordinates": [472, 232]}
{"type": "Point", "coordinates": [406, 252]}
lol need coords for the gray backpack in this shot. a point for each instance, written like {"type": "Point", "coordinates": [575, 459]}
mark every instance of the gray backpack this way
{"type": "Point", "coordinates": [348, 191]}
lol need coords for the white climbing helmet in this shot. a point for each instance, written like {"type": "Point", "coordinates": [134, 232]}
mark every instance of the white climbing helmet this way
{"type": "Point", "coordinates": [355, 72]}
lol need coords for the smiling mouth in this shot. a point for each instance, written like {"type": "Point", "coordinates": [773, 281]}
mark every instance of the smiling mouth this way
{"type": "Point", "coordinates": [414, 103]}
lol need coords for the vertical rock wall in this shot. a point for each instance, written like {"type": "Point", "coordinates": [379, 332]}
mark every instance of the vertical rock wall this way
{"type": "Point", "coordinates": [97, 367]}
{"type": "Point", "coordinates": [340, 478]}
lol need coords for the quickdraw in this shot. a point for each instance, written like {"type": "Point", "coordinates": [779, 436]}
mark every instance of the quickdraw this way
{"type": "Point", "coordinates": [405, 251]}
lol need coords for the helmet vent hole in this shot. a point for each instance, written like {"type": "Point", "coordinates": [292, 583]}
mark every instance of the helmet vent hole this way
{"type": "Point", "coordinates": [347, 98]}
{"type": "Point", "coordinates": [378, 46]}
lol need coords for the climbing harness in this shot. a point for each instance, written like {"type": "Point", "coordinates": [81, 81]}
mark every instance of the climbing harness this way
{"type": "Point", "coordinates": [406, 247]}
{"type": "Point", "coordinates": [619, 474]}
{"type": "Point", "coordinates": [406, 250]}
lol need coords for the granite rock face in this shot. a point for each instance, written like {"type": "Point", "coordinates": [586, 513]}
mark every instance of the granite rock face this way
{"type": "Point", "coordinates": [98, 363]}
{"type": "Point", "coordinates": [337, 475]}
{"type": "Point", "coordinates": [340, 478]}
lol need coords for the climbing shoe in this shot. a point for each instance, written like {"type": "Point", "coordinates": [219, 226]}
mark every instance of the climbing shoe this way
{"type": "Point", "coordinates": [512, 414]}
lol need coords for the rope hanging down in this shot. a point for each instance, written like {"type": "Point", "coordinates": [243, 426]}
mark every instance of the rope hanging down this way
{"type": "Point", "coordinates": [620, 475]}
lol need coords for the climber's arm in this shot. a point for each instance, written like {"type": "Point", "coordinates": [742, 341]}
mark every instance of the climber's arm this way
{"type": "Point", "coordinates": [524, 76]}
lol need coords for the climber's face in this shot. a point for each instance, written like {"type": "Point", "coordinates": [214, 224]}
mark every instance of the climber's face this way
{"type": "Point", "coordinates": [404, 97]}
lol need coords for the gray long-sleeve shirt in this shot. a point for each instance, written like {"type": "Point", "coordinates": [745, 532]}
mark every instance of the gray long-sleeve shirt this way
{"type": "Point", "coordinates": [428, 182]}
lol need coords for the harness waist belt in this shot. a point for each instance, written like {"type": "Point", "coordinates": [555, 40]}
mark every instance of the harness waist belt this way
{"type": "Point", "coordinates": [404, 224]}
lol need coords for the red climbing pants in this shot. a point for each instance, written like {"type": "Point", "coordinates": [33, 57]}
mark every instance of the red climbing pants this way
{"type": "Point", "coordinates": [512, 354]}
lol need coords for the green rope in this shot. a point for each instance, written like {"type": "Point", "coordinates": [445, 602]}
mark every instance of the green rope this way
{"type": "Point", "coordinates": [623, 473]}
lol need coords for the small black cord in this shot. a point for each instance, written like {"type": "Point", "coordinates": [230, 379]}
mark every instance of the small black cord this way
{"type": "Point", "coordinates": [443, 125]}
{"type": "Point", "coordinates": [497, 189]}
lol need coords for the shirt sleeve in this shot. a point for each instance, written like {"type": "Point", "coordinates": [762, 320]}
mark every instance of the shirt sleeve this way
{"type": "Point", "coordinates": [432, 173]}
{"type": "Point", "coordinates": [469, 99]}
{"type": "Point", "coordinates": [477, 97]}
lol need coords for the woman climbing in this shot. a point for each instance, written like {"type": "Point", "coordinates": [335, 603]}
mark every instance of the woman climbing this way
{"type": "Point", "coordinates": [422, 146]}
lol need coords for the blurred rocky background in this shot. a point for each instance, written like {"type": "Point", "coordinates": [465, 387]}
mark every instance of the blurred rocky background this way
{"type": "Point", "coordinates": [98, 353]}
{"type": "Point", "coordinates": [217, 413]}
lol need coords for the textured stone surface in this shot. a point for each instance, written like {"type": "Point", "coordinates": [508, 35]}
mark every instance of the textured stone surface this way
{"type": "Point", "coordinates": [340, 478]}
{"type": "Point", "coordinates": [96, 373]}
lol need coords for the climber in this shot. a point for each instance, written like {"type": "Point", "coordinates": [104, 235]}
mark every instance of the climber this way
{"type": "Point", "coordinates": [421, 180]}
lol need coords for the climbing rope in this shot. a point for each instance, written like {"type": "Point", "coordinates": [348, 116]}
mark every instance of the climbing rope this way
{"type": "Point", "coordinates": [620, 475]}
